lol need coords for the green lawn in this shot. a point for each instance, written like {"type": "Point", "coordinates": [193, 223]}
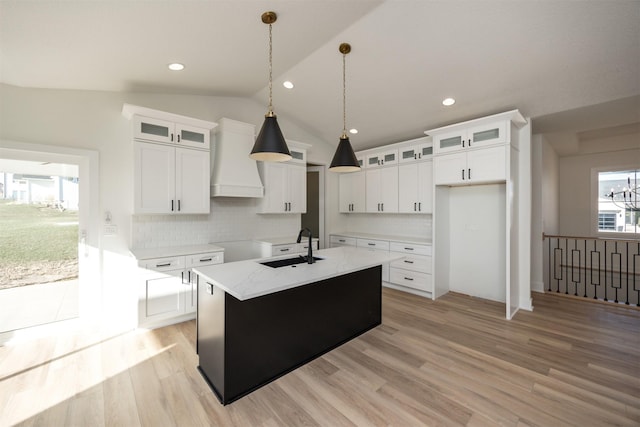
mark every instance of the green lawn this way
{"type": "Point", "coordinates": [31, 233]}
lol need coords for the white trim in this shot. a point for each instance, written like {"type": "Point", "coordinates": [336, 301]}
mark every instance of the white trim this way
{"type": "Point", "coordinates": [321, 204]}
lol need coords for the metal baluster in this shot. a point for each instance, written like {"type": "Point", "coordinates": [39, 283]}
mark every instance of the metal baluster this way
{"type": "Point", "coordinates": [605, 271]}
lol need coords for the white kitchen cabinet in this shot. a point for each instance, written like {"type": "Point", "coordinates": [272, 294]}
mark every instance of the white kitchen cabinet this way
{"type": "Point", "coordinates": [414, 270]}
{"type": "Point", "coordinates": [415, 187]}
{"type": "Point", "coordinates": [481, 135]}
{"type": "Point", "coordinates": [472, 167]}
{"type": "Point", "coordinates": [386, 157]}
{"type": "Point", "coordinates": [382, 189]}
{"type": "Point", "coordinates": [285, 187]}
{"type": "Point", "coordinates": [351, 192]}
{"type": "Point", "coordinates": [168, 287]}
{"type": "Point", "coordinates": [170, 180]}
{"type": "Point", "coordinates": [157, 130]}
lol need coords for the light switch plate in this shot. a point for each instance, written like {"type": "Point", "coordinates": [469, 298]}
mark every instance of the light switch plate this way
{"type": "Point", "coordinates": [110, 230]}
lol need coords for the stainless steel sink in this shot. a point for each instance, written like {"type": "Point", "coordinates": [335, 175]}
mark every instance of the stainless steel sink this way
{"type": "Point", "coordinates": [289, 261]}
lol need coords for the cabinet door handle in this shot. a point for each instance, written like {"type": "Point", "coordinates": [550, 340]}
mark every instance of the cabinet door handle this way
{"type": "Point", "coordinates": [415, 206]}
{"type": "Point", "coordinates": [285, 206]}
{"type": "Point", "coordinates": [172, 206]}
{"type": "Point", "coordinates": [462, 174]}
{"type": "Point", "coordinates": [189, 277]}
{"type": "Point", "coordinates": [469, 173]}
{"type": "Point", "coordinates": [178, 137]}
{"type": "Point", "coordinates": [382, 206]}
{"type": "Point", "coordinates": [171, 137]}
{"type": "Point", "coordinates": [409, 279]}
{"type": "Point", "coordinates": [178, 205]}
{"type": "Point", "coordinates": [463, 143]}
{"type": "Point", "coordinates": [420, 206]}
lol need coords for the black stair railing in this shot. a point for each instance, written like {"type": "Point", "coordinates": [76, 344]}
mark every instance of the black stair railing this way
{"type": "Point", "coordinates": [605, 269]}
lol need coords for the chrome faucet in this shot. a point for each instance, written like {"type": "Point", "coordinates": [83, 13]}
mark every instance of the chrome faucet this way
{"type": "Point", "coordinates": [310, 252]}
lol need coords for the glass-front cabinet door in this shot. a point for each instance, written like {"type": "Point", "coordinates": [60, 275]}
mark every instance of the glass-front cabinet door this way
{"type": "Point", "coordinates": [192, 136]}
{"type": "Point", "coordinates": [493, 133]}
{"type": "Point", "coordinates": [415, 153]}
{"type": "Point", "coordinates": [450, 141]}
{"type": "Point", "coordinates": [153, 129]}
{"type": "Point", "coordinates": [382, 158]}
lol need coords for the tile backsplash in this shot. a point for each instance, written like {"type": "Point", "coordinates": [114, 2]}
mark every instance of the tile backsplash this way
{"type": "Point", "coordinates": [406, 225]}
{"type": "Point", "coordinates": [230, 219]}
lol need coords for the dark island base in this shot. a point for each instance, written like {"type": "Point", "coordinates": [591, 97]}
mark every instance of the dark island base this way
{"type": "Point", "coordinates": [243, 345]}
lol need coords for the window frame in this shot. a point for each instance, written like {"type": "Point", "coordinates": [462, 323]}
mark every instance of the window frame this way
{"type": "Point", "coordinates": [595, 181]}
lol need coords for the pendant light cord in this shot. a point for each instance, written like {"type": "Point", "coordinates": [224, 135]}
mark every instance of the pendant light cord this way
{"type": "Point", "coordinates": [270, 113]}
{"type": "Point", "coordinates": [344, 95]}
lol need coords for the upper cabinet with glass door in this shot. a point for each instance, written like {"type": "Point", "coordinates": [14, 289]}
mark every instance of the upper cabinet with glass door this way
{"type": "Point", "coordinates": [156, 130]}
{"type": "Point", "coordinates": [478, 136]}
{"type": "Point", "coordinates": [416, 150]}
{"type": "Point", "coordinates": [382, 158]}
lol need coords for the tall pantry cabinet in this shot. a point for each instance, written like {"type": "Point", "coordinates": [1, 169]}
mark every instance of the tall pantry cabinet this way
{"type": "Point", "coordinates": [481, 226]}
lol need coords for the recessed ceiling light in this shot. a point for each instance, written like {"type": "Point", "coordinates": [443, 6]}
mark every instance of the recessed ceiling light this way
{"type": "Point", "coordinates": [176, 66]}
{"type": "Point", "coordinates": [288, 84]}
{"type": "Point", "coordinates": [353, 131]}
{"type": "Point", "coordinates": [448, 102]}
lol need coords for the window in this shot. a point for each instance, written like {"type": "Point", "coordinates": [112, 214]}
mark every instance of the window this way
{"type": "Point", "coordinates": [619, 201]}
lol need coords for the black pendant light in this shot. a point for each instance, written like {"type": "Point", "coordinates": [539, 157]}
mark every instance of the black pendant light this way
{"type": "Point", "coordinates": [270, 145]}
{"type": "Point", "coordinates": [344, 160]}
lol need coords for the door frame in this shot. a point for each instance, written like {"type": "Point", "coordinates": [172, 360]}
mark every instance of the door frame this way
{"type": "Point", "coordinates": [89, 240]}
{"type": "Point", "coordinates": [321, 202]}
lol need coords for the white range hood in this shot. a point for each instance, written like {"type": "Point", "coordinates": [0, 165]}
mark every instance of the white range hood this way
{"type": "Point", "coordinates": [233, 173]}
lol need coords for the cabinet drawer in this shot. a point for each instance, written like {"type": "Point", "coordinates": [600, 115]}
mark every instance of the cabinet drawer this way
{"type": "Point", "coordinates": [419, 263]}
{"type": "Point", "coordinates": [205, 259]}
{"type": "Point", "coordinates": [410, 248]}
{"type": "Point", "coordinates": [343, 241]}
{"type": "Point", "coordinates": [284, 249]}
{"type": "Point", "coordinates": [163, 264]}
{"type": "Point", "coordinates": [378, 245]}
{"type": "Point", "coordinates": [411, 279]}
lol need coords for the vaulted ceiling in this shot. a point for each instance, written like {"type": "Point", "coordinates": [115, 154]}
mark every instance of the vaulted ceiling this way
{"type": "Point", "coordinates": [542, 57]}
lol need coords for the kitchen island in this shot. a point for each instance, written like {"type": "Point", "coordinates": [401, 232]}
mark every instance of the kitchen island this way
{"type": "Point", "coordinates": [255, 323]}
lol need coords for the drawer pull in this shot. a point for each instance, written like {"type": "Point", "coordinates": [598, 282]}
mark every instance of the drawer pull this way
{"type": "Point", "coordinates": [206, 259]}
{"type": "Point", "coordinates": [371, 244]}
{"type": "Point", "coordinates": [163, 265]}
{"type": "Point", "coordinates": [284, 250]}
{"type": "Point", "coordinates": [408, 249]}
{"type": "Point", "coordinates": [408, 262]}
{"type": "Point", "coordinates": [409, 279]}
{"type": "Point", "coordinates": [341, 240]}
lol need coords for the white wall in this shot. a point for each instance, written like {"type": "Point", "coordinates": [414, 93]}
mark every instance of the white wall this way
{"type": "Point", "coordinates": [93, 120]}
{"type": "Point", "coordinates": [407, 225]}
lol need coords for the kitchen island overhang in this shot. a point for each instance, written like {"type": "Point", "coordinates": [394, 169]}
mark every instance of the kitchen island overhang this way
{"type": "Point", "coordinates": [244, 344]}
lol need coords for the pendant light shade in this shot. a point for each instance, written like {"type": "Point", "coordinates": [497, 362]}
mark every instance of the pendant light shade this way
{"type": "Point", "coordinates": [270, 145]}
{"type": "Point", "coordinates": [344, 160]}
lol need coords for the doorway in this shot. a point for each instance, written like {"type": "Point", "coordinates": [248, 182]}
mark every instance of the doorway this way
{"type": "Point", "coordinates": [74, 210]}
{"type": "Point", "coordinates": [39, 254]}
{"type": "Point", "coordinates": [314, 217]}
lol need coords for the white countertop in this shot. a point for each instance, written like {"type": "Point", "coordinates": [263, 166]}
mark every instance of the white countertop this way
{"type": "Point", "coordinates": [391, 238]}
{"type": "Point", "coordinates": [250, 279]}
{"type": "Point", "coordinates": [149, 253]}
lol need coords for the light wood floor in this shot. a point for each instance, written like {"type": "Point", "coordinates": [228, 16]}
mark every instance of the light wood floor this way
{"type": "Point", "coordinates": [455, 361]}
